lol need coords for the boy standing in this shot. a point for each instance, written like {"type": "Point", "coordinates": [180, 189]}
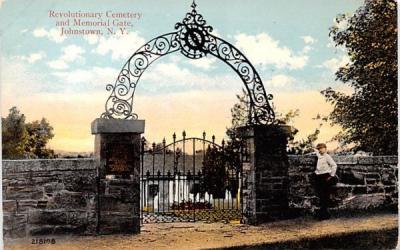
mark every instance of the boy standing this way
{"type": "Point", "coordinates": [324, 176]}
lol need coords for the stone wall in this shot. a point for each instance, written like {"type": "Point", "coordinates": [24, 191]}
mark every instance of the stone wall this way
{"type": "Point", "coordinates": [366, 182]}
{"type": "Point", "coordinates": [49, 197]}
{"type": "Point", "coordinates": [59, 196]}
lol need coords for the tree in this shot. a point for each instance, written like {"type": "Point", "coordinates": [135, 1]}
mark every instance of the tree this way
{"type": "Point", "coordinates": [369, 115]}
{"type": "Point", "coordinates": [39, 133]}
{"type": "Point", "coordinates": [215, 172]}
{"type": "Point", "coordinates": [25, 140]}
{"type": "Point", "coordinates": [302, 146]}
{"type": "Point", "coordinates": [239, 113]}
{"type": "Point", "coordinates": [14, 135]}
{"type": "Point", "coordinates": [240, 110]}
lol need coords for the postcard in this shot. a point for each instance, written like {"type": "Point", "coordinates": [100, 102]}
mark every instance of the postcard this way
{"type": "Point", "coordinates": [199, 124]}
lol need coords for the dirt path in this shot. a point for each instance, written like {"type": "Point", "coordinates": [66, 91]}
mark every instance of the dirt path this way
{"type": "Point", "coordinates": [214, 235]}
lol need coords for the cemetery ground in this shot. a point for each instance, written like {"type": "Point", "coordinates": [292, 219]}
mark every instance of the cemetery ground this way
{"type": "Point", "coordinates": [367, 230]}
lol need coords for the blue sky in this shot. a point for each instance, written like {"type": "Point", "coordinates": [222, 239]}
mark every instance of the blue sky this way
{"type": "Point", "coordinates": [54, 76]}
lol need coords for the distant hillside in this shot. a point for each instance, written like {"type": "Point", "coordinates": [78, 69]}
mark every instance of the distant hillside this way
{"type": "Point", "coordinates": [69, 154]}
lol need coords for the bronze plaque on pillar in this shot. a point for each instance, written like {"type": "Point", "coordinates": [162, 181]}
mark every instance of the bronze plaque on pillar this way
{"type": "Point", "coordinates": [119, 158]}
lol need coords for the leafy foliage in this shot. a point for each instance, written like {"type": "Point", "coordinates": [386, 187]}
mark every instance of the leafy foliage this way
{"type": "Point", "coordinates": [39, 133]}
{"type": "Point", "coordinates": [14, 135]}
{"type": "Point", "coordinates": [239, 114]}
{"type": "Point", "coordinates": [240, 110]}
{"type": "Point", "coordinates": [215, 174]}
{"type": "Point", "coordinates": [369, 115]}
{"type": "Point", "coordinates": [25, 140]}
{"type": "Point", "coordinates": [302, 146]}
{"type": "Point", "coordinates": [221, 167]}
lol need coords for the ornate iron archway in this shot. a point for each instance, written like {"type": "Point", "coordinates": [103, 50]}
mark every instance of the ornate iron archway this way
{"type": "Point", "coordinates": [193, 39]}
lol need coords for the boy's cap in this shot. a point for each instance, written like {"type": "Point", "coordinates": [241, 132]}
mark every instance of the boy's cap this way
{"type": "Point", "coordinates": [321, 145]}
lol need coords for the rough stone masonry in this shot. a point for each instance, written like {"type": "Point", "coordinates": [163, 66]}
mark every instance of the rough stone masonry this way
{"type": "Point", "coordinates": [58, 196]}
{"type": "Point", "coordinates": [49, 197]}
{"type": "Point", "coordinates": [366, 182]}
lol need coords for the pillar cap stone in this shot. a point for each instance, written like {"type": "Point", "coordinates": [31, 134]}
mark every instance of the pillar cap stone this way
{"type": "Point", "coordinates": [249, 130]}
{"type": "Point", "coordinates": [102, 125]}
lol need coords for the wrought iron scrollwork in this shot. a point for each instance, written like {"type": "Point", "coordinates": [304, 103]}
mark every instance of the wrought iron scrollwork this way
{"type": "Point", "coordinates": [119, 103]}
{"type": "Point", "coordinates": [260, 111]}
{"type": "Point", "coordinates": [192, 39]}
{"type": "Point", "coordinates": [193, 34]}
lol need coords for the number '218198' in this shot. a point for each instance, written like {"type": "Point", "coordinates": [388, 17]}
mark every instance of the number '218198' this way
{"type": "Point", "coordinates": [43, 241]}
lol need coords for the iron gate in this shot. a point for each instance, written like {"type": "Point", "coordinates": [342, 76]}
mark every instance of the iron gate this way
{"type": "Point", "coordinates": [191, 179]}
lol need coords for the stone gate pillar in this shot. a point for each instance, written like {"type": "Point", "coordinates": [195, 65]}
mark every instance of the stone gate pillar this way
{"type": "Point", "coordinates": [117, 154]}
{"type": "Point", "coordinates": [265, 174]}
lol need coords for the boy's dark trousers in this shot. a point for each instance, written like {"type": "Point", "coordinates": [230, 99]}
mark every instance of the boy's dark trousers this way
{"type": "Point", "coordinates": [323, 189]}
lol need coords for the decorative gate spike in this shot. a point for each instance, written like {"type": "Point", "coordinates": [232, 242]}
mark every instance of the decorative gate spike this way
{"type": "Point", "coordinates": [179, 194]}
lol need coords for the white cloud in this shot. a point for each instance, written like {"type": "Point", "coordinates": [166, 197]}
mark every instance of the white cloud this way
{"type": "Point", "coordinates": [91, 39]}
{"type": "Point", "coordinates": [175, 58]}
{"type": "Point", "coordinates": [216, 33]}
{"type": "Point", "coordinates": [335, 63]}
{"type": "Point", "coordinates": [57, 64]}
{"type": "Point", "coordinates": [338, 48]}
{"type": "Point", "coordinates": [17, 79]}
{"type": "Point", "coordinates": [159, 77]}
{"type": "Point", "coordinates": [33, 57]}
{"type": "Point", "coordinates": [71, 53]}
{"type": "Point", "coordinates": [40, 32]}
{"type": "Point", "coordinates": [330, 44]}
{"type": "Point", "coordinates": [342, 24]}
{"type": "Point", "coordinates": [94, 76]}
{"type": "Point", "coordinates": [263, 49]}
{"type": "Point", "coordinates": [168, 72]}
{"type": "Point", "coordinates": [308, 39]}
{"type": "Point", "coordinates": [306, 49]}
{"type": "Point", "coordinates": [163, 75]}
{"type": "Point", "coordinates": [203, 63]}
{"type": "Point", "coordinates": [120, 46]}
{"type": "Point", "coordinates": [72, 130]}
{"type": "Point", "coordinates": [53, 34]}
{"type": "Point", "coordinates": [280, 81]}
{"type": "Point", "coordinates": [1, 2]}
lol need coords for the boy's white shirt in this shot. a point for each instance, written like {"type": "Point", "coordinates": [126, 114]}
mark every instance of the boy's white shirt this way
{"type": "Point", "coordinates": [325, 164]}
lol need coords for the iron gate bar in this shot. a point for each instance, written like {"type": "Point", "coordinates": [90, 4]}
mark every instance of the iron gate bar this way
{"type": "Point", "coordinates": [209, 196]}
{"type": "Point", "coordinates": [223, 147]}
{"type": "Point", "coordinates": [194, 173]}
{"type": "Point", "coordinates": [163, 142]}
{"type": "Point", "coordinates": [153, 153]}
{"type": "Point", "coordinates": [142, 171]}
{"type": "Point", "coordinates": [185, 205]}
{"type": "Point", "coordinates": [175, 166]}
{"type": "Point", "coordinates": [184, 159]}
{"type": "Point", "coordinates": [158, 184]}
